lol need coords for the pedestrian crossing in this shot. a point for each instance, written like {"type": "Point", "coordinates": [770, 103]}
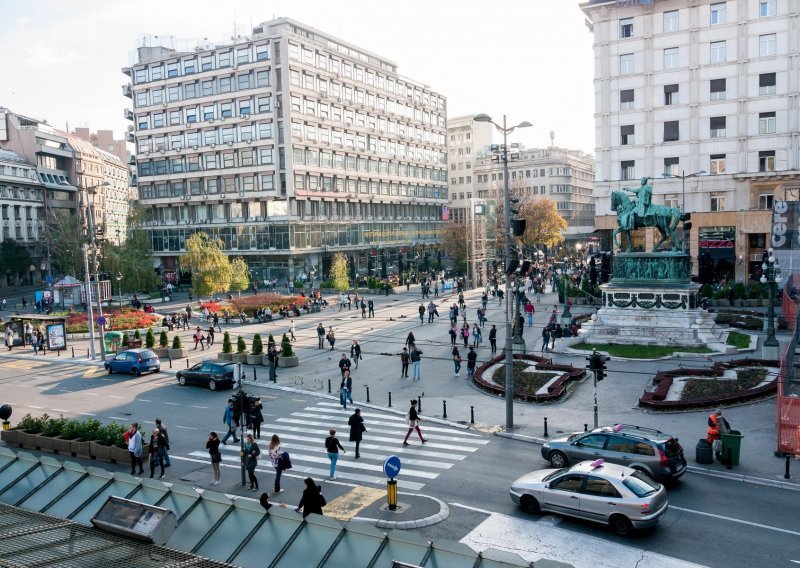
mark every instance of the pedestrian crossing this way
{"type": "Point", "coordinates": [303, 434]}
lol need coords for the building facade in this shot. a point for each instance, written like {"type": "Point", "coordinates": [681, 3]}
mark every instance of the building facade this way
{"type": "Point", "coordinates": [104, 140]}
{"type": "Point", "coordinates": [289, 146]}
{"type": "Point", "coordinates": [709, 88]}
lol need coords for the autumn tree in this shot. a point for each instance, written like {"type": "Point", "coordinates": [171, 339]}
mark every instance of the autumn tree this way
{"type": "Point", "coordinates": [211, 271]}
{"type": "Point", "coordinates": [455, 244]}
{"type": "Point", "coordinates": [338, 274]}
{"type": "Point", "coordinates": [545, 225]}
{"type": "Point", "coordinates": [240, 275]}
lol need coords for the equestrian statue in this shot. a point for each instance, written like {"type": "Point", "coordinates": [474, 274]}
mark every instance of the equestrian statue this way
{"type": "Point", "coordinates": [642, 213]}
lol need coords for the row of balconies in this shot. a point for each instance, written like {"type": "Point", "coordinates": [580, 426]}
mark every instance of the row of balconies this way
{"type": "Point", "coordinates": [260, 219]}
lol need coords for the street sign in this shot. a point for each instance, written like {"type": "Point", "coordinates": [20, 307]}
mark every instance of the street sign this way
{"type": "Point", "coordinates": [391, 467]}
{"type": "Point", "coordinates": [101, 321]}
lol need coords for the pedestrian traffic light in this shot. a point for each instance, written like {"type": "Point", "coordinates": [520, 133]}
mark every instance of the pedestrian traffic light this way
{"type": "Point", "coordinates": [518, 227]}
{"type": "Point", "coordinates": [597, 364]}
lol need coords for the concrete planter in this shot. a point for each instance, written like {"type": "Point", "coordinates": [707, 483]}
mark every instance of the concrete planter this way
{"type": "Point", "coordinates": [81, 449]}
{"type": "Point", "coordinates": [12, 437]}
{"type": "Point", "coordinates": [239, 358]}
{"type": "Point", "coordinates": [181, 353]}
{"type": "Point", "coordinates": [44, 443]}
{"type": "Point", "coordinates": [162, 352]}
{"type": "Point", "coordinates": [118, 455]}
{"type": "Point", "coordinates": [254, 359]}
{"type": "Point", "coordinates": [28, 440]}
{"type": "Point", "coordinates": [62, 446]}
{"type": "Point", "coordinates": [225, 356]}
{"type": "Point", "coordinates": [292, 361]}
{"type": "Point", "coordinates": [99, 451]}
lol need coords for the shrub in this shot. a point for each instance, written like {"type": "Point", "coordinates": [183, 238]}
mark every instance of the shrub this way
{"type": "Point", "coordinates": [270, 340]}
{"type": "Point", "coordinates": [72, 430]}
{"type": "Point", "coordinates": [88, 430]}
{"type": "Point", "coordinates": [176, 342]}
{"type": "Point", "coordinates": [226, 343]}
{"type": "Point", "coordinates": [33, 425]}
{"type": "Point", "coordinates": [163, 340]}
{"type": "Point", "coordinates": [137, 336]}
{"type": "Point", "coordinates": [706, 291]}
{"type": "Point", "coordinates": [125, 339]}
{"type": "Point", "coordinates": [258, 346]}
{"type": "Point", "coordinates": [111, 434]}
{"type": "Point", "coordinates": [738, 291]}
{"type": "Point", "coordinates": [241, 345]}
{"type": "Point", "coordinates": [757, 291]}
{"type": "Point", "coordinates": [150, 338]}
{"type": "Point", "coordinates": [54, 427]}
{"type": "Point", "coordinates": [286, 346]}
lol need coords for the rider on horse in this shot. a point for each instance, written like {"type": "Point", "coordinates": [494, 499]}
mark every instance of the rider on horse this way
{"type": "Point", "coordinates": [644, 196]}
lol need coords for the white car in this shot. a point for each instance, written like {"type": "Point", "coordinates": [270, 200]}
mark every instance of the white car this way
{"type": "Point", "coordinates": [614, 495]}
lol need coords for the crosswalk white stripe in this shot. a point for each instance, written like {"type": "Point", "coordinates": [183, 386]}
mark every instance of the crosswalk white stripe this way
{"type": "Point", "coordinates": [373, 429]}
{"type": "Point", "coordinates": [471, 438]}
{"type": "Point", "coordinates": [336, 408]}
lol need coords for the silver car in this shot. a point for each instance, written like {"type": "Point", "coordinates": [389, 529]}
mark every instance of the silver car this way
{"type": "Point", "coordinates": [614, 495]}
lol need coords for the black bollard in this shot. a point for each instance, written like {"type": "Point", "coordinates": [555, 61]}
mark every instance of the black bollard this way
{"type": "Point", "coordinates": [87, 353]}
{"type": "Point", "coordinates": [444, 409]}
{"type": "Point", "coordinates": [170, 363]}
{"type": "Point", "coordinates": [58, 352]}
{"type": "Point", "coordinates": [187, 363]}
{"type": "Point", "coordinates": [329, 387]}
{"type": "Point", "coordinates": [786, 473]}
{"type": "Point", "coordinates": [472, 415]}
{"type": "Point", "coordinates": [419, 404]}
{"type": "Point", "coordinates": [545, 427]}
{"type": "Point", "coordinates": [73, 352]}
{"type": "Point", "coordinates": [255, 378]}
{"type": "Point", "coordinates": [390, 399]}
{"type": "Point", "coordinates": [585, 427]}
{"type": "Point", "coordinates": [367, 392]}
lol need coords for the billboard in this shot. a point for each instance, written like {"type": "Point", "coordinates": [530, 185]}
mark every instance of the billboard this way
{"type": "Point", "coordinates": [445, 213]}
{"type": "Point", "coordinates": [785, 238]}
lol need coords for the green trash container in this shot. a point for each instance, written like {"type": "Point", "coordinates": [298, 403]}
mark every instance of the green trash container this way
{"type": "Point", "coordinates": [113, 340]}
{"type": "Point", "coordinates": [731, 447]}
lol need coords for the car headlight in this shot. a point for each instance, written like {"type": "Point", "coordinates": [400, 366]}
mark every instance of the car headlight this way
{"type": "Point", "coordinates": [546, 446]}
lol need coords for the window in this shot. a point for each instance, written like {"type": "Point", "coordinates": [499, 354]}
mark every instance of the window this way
{"type": "Point", "coordinates": [626, 64]}
{"type": "Point", "coordinates": [767, 45]}
{"type": "Point", "coordinates": [157, 72]}
{"type": "Point", "coordinates": [207, 88]}
{"type": "Point", "coordinates": [765, 201]}
{"type": "Point", "coordinates": [626, 28]}
{"type": "Point", "coordinates": [671, 166]}
{"type": "Point", "coordinates": [766, 123]}
{"type": "Point", "coordinates": [717, 201]}
{"type": "Point", "coordinates": [190, 90]}
{"type": "Point", "coordinates": [766, 161]}
{"type": "Point", "coordinates": [224, 59]}
{"type": "Point", "coordinates": [262, 78]}
{"type": "Point", "coordinates": [626, 134]}
{"type": "Point", "coordinates": [172, 69]}
{"type": "Point", "coordinates": [262, 52]}
{"type": "Point", "coordinates": [627, 169]}
{"type": "Point", "coordinates": [671, 58]}
{"type": "Point", "coordinates": [224, 84]}
{"type": "Point", "coordinates": [189, 66]}
{"type": "Point", "coordinates": [670, 95]}
{"type": "Point", "coordinates": [671, 21]}
{"type": "Point", "coordinates": [206, 63]}
{"type": "Point", "coordinates": [717, 14]}
{"type": "Point", "coordinates": [717, 164]}
{"type": "Point", "coordinates": [671, 131]}
{"type": "Point", "coordinates": [767, 8]}
{"type": "Point", "coordinates": [717, 124]}
{"type": "Point", "coordinates": [718, 52]}
{"type": "Point", "coordinates": [766, 84]}
{"type": "Point", "coordinates": [242, 55]}
{"type": "Point", "coordinates": [570, 483]}
{"type": "Point", "coordinates": [718, 89]}
{"type": "Point", "coordinates": [672, 201]}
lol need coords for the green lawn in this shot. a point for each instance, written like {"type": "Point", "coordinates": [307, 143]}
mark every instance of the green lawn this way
{"type": "Point", "coordinates": [738, 340]}
{"type": "Point", "coordinates": [639, 351]}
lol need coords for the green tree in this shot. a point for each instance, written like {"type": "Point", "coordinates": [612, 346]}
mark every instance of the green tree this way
{"type": "Point", "coordinates": [227, 347]}
{"type": "Point", "coordinates": [286, 346]}
{"type": "Point", "coordinates": [163, 340]}
{"type": "Point", "coordinates": [455, 243]}
{"type": "Point", "coordinates": [65, 239]}
{"type": "Point", "coordinates": [240, 275]}
{"type": "Point", "coordinates": [338, 274]}
{"type": "Point", "coordinates": [150, 338]}
{"type": "Point", "coordinates": [545, 225]}
{"type": "Point", "coordinates": [176, 342]}
{"type": "Point", "coordinates": [14, 257]}
{"type": "Point", "coordinates": [241, 345]}
{"type": "Point", "coordinates": [211, 271]}
{"type": "Point", "coordinates": [258, 345]}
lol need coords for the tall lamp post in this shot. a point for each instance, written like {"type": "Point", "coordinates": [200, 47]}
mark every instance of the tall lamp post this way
{"type": "Point", "coordinates": [771, 276]}
{"type": "Point", "coordinates": [683, 177]}
{"type": "Point", "coordinates": [94, 270]}
{"type": "Point", "coordinates": [505, 130]}
{"type": "Point", "coordinates": [566, 316]}
{"type": "Point", "coordinates": [118, 277]}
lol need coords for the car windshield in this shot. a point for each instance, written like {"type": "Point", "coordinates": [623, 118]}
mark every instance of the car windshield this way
{"type": "Point", "coordinates": [146, 354]}
{"type": "Point", "coordinates": [671, 448]}
{"type": "Point", "coordinates": [553, 474]}
{"type": "Point", "coordinates": [640, 484]}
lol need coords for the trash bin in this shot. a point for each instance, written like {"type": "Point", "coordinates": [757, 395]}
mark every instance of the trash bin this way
{"type": "Point", "coordinates": [704, 452]}
{"type": "Point", "coordinates": [731, 447]}
{"type": "Point", "coordinates": [113, 340]}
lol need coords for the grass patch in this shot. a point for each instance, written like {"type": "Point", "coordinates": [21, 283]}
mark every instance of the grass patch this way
{"type": "Point", "coordinates": [738, 340]}
{"type": "Point", "coordinates": [639, 351]}
{"type": "Point", "coordinates": [523, 382]}
{"type": "Point", "coordinates": [746, 379]}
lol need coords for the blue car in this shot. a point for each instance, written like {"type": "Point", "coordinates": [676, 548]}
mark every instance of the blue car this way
{"type": "Point", "coordinates": [136, 361]}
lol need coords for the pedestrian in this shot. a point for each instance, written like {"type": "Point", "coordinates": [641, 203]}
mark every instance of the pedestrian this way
{"type": "Point", "coordinates": [258, 417]}
{"type": "Point", "coordinates": [431, 311]}
{"type": "Point", "coordinates": [412, 420]}
{"type": "Point", "coordinates": [165, 451]}
{"type": "Point", "coordinates": [252, 453]}
{"type": "Point", "coordinates": [357, 429]}
{"type": "Point", "coordinates": [716, 425]}
{"type": "Point", "coordinates": [210, 336]}
{"type": "Point", "coordinates": [453, 334]}
{"type": "Point", "coordinates": [229, 418]}
{"type": "Point", "coordinates": [212, 445]}
{"type": "Point", "coordinates": [472, 361]}
{"type": "Point", "coordinates": [404, 359]}
{"type": "Point", "coordinates": [321, 335]}
{"type": "Point", "coordinates": [134, 440]}
{"type": "Point", "coordinates": [41, 342]}
{"type": "Point", "coordinates": [557, 333]}
{"type": "Point", "coordinates": [331, 338]}
{"type": "Point", "coordinates": [215, 322]}
{"type": "Point", "coordinates": [355, 352]}
{"type": "Point", "coordinates": [276, 456]}
{"type": "Point", "coordinates": [347, 389]}
{"type": "Point", "coordinates": [199, 339]}
{"type": "Point", "coordinates": [312, 500]}
{"type": "Point", "coordinates": [332, 446]}
{"type": "Point", "coordinates": [363, 309]}
{"type": "Point", "coordinates": [349, 302]}
{"type": "Point", "coordinates": [344, 364]}
{"type": "Point", "coordinates": [484, 300]}
{"type": "Point", "coordinates": [157, 445]}
{"type": "Point", "coordinates": [371, 306]}
{"type": "Point", "coordinates": [9, 337]}
{"type": "Point", "coordinates": [291, 330]}
{"type": "Point", "coordinates": [465, 334]}
{"type": "Point", "coordinates": [410, 339]}
{"type": "Point", "coordinates": [476, 335]}
{"type": "Point", "coordinates": [529, 311]}
{"type": "Point", "coordinates": [436, 289]}
{"type": "Point", "coordinates": [456, 361]}
{"type": "Point", "coordinates": [453, 314]}
{"type": "Point", "coordinates": [545, 338]}
{"type": "Point", "coordinates": [421, 311]}
{"type": "Point", "coordinates": [415, 363]}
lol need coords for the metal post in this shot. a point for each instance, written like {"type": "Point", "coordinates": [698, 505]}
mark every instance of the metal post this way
{"type": "Point", "coordinates": [594, 375]}
{"type": "Point", "coordinates": [585, 427]}
{"type": "Point", "coordinates": [545, 427]}
{"type": "Point", "coordinates": [89, 311]}
{"type": "Point", "coordinates": [472, 415]}
{"type": "Point", "coordinates": [255, 378]}
{"type": "Point", "coordinates": [242, 419]}
{"type": "Point", "coordinates": [90, 220]}
{"type": "Point", "coordinates": [786, 473]}
{"type": "Point", "coordinates": [509, 348]}
{"type": "Point", "coordinates": [419, 404]}
{"type": "Point", "coordinates": [390, 399]}
{"type": "Point", "coordinates": [444, 409]}
{"type": "Point", "coordinates": [73, 352]}
{"type": "Point", "coordinates": [170, 362]}
{"type": "Point", "coordinates": [187, 363]}
{"type": "Point", "coordinates": [329, 387]}
{"type": "Point", "coordinates": [367, 393]}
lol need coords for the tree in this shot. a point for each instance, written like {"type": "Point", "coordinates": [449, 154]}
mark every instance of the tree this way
{"type": "Point", "coordinates": [211, 271]}
{"type": "Point", "coordinates": [545, 225]}
{"type": "Point", "coordinates": [455, 241]}
{"type": "Point", "coordinates": [226, 343]}
{"type": "Point", "coordinates": [241, 345]}
{"type": "Point", "coordinates": [338, 275]}
{"type": "Point", "coordinates": [14, 257]}
{"type": "Point", "coordinates": [64, 235]}
{"type": "Point", "coordinates": [150, 338]}
{"type": "Point", "coordinates": [258, 345]}
{"type": "Point", "coordinates": [286, 347]}
{"type": "Point", "coordinates": [240, 275]}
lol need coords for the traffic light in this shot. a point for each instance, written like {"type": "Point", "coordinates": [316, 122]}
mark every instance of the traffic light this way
{"type": "Point", "coordinates": [597, 364]}
{"type": "Point", "coordinates": [518, 227]}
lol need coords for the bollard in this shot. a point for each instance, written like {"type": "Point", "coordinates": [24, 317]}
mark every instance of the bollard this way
{"type": "Point", "coordinates": [390, 399]}
{"type": "Point", "coordinates": [170, 363]}
{"type": "Point", "coordinates": [187, 363]}
{"type": "Point", "coordinates": [545, 427]}
{"type": "Point", "coordinates": [329, 387]}
{"type": "Point", "coordinates": [58, 352]}
{"type": "Point", "coordinates": [585, 427]}
{"type": "Point", "coordinates": [444, 409]}
{"type": "Point", "coordinates": [786, 473]}
{"type": "Point", "coordinates": [255, 378]}
{"type": "Point", "coordinates": [472, 415]}
{"type": "Point", "coordinates": [87, 353]}
{"type": "Point", "coordinates": [367, 392]}
{"type": "Point", "coordinates": [419, 404]}
{"type": "Point", "coordinates": [73, 352]}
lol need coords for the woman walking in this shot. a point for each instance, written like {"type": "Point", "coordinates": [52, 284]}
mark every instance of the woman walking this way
{"type": "Point", "coordinates": [453, 334]}
{"type": "Point", "coordinates": [410, 339]}
{"type": "Point", "coordinates": [465, 333]}
{"type": "Point", "coordinates": [412, 419]}
{"type": "Point", "coordinates": [275, 454]}
{"type": "Point", "coordinates": [258, 418]}
{"type": "Point", "coordinates": [355, 352]}
{"type": "Point", "coordinates": [476, 335]}
{"type": "Point", "coordinates": [134, 440]}
{"type": "Point", "coordinates": [252, 452]}
{"type": "Point", "coordinates": [291, 330]}
{"type": "Point", "coordinates": [212, 445]}
{"type": "Point", "coordinates": [331, 337]}
{"type": "Point", "coordinates": [332, 446]}
{"type": "Point", "coordinates": [456, 360]}
{"type": "Point", "coordinates": [545, 338]}
{"type": "Point", "coordinates": [157, 445]}
{"type": "Point", "coordinates": [312, 500]}
{"type": "Point", "coordinates": [357, 429]}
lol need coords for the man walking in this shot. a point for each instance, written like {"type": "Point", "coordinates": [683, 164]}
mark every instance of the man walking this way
{"type": "Point", "coordinates": [165, 449]}
{"type": "Point", "coordinates": [229, 419]}
{"type": "Point", "coordinates": [321, 335]}
{"type": "Point", "coordinates": [357, 429]}
{"type": "Point", "coordinates": [431, 310]}
{"type": "Point", "coordinates": [344, 364]}
{"type": "Point", "coordinates": [134, 439]}
{"type": "Point", "coordinates": [404, 358]}
{"type": "Point", "coordinates": [493, 339]}
{"type": "Point", "coordinates": [421, 311]}
{"type": "Point", "coordinates": [529, 311]}
{"type": "Point", "coordinates": [363, 309]}
{"type": "Point", "coordinates": [415, 363]}
{"type": "Point", "coordinates": [272, 358]}
{"type": "Point", "coordinates": [371, 308]}
{"type": "Point", "coordinates": [472, 360]}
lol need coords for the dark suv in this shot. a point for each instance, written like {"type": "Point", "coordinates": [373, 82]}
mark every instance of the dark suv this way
{"type": "Point", "coordinates": [645, 449]}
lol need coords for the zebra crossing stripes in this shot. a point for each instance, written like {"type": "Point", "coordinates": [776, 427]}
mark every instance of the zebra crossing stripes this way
{"type": "Point", "coordinates": [303, 434]}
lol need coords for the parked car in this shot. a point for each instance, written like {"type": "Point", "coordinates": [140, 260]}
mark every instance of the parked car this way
{"type": "Point", "coordinates": [614, 495]}
{"type": "Point", "coordinates": [657, 454]}
{"type": "Point", "coordinates": [136, 361]}
{"type": "Point", "coordinates": [208, 374]}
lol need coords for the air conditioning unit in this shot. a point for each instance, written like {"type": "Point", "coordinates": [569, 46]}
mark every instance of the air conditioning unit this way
{"type": "Point", "coordinates": [178, 148]}
{"type": "Point", "coordinates": [194, 147]}
{"type": "Point", "coordinates": [147, 152]}
{"type": "Point", "coordinates": [213, 145]}
{"type": "Point", "coordinates": [230, 143]}
{"type": "Point", "coordinates": [277, 104]}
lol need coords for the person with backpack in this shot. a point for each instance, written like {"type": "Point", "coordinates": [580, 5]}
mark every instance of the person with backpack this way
{"type": "Point", "coordinates": [275, 456]}
{"type": "Point", "coordinates": [357, 429]}
{"type": "Point", "coordinates": [165, 450]}
{"type": "Point", "coordinates": [230, 419]}
{"type": "Point", "coordinates": [331, 338]}
{"type": "Point", "coordinates": [252, 453]}
{"type": "Point", "coordinates": [312, 500]}
{"type": "Point", "coordinates": [415, 363]}
{"type": "Point", "coordinates": [404, 359]}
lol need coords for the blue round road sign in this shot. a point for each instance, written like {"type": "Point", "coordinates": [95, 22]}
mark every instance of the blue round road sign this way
{"type": "Point", "coordinates": [391, 467]}
{"type": "Point", "coordinates": [101, 321]}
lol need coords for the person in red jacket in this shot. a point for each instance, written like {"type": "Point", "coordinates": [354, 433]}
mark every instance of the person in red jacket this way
{"type": "Point", "coordinates": [529, 310]}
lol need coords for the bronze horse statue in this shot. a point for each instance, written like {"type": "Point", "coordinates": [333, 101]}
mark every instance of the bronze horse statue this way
{"type": "Point", "coordinates": [663, 218]}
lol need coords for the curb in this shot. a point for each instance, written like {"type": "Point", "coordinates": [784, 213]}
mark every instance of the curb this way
{"type": "Point", "coordinates": [749, 479]}
{"type": "Point", "coordinates": [444, 512]}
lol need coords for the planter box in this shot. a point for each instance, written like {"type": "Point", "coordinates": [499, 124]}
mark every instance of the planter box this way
{"type": "Point", "coordinates": [12, 437]}
{"type": "Point", "coordinates": [239, 358]}
{"type": "Point", "coordinates": [134, 344]}
{"type": "Point", "coordinates": [28, 441]}
{"type": "Point", "coordinates": [162, 352]}
{"type": "Point", "coordinates": [254, 359]}
{"type": "Point", "coordinates": [99, 451]}
{"type": "Point", "coordinates": [62, 446]}
{"type": "Point", "coordinates": [292, 361]}
{"type": "Point", "coordinates": [225, 356]}
{"type": "Point", "coordinates": [118, 455]}
{"type": "Point", "coordinates": [81, 449]}
{"type": "Point", "coordinates": [181, 353]}
{"type": "Point", "coordinates": [44, 443]}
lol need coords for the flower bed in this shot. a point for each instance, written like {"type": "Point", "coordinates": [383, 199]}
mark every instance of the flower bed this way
{"type": "Point", "coordinates": [526, 391]}
{"type": "Point", "coordinates": [128, 318]}
{"type": "Point", "coordinates": [260, 301]}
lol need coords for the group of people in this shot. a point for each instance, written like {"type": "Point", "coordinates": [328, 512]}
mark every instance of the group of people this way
{"type": "Point", "coordinates": [157, 449]}
{"type": "Point", "coordinates": [34, 337]}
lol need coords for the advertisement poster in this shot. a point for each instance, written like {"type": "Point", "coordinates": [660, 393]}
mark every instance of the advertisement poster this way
{"type": "Point", "coordinates": [56, 336]}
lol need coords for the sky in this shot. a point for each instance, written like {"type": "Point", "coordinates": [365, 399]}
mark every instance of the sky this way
{"type": "Point", "coordinates": [529, 59]}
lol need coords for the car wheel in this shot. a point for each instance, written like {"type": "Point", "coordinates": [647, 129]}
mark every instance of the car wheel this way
{"type": "Point", "coordinates": [212, 384]}
{"type": "Point", "coordinates": [621, 525]}
{"type": "Point", "coordinates": [158, 370]}
{"type": "Point", "coordinates": [558, 459]}
{"type": "Point", "coordinates": [108, 368]}
{"type": "Point", "coordinates": [182, 381]}
{"type": "Point", "coordinates": [530, 505]}
{"type": "Point", "coordinates": [136, 372]}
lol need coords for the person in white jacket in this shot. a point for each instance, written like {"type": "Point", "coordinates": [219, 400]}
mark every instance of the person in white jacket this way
{"type": "Point", "coordinates": [135, 448]}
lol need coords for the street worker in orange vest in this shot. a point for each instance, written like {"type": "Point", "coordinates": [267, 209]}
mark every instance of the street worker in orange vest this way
{"type": "Point", "coordinates": [716, 425]}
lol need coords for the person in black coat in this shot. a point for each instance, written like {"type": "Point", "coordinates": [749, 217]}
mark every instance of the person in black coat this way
{"type": "Point", "coordinates": [356, 423]}
{"type": "Point", "coordinates": [344, 363]}
{"type": "Point", "coordinates": [312, 500]}
{"type": "Point", "coordinates": [258, 418]}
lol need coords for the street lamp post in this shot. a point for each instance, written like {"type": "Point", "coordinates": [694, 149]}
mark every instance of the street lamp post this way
{"type": "Point", "coordinates": [119, 288]}
{"type": "Point", "coordinates": [771, 277]}
{"type": "Point", "coordinates": [94, 269]}
{"type": "Point", "coordinates": [566, 316]}
{"type": "Point", "coordinates": [509, 345]}
{"type": "Point", "coordinates": [683, 178]}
